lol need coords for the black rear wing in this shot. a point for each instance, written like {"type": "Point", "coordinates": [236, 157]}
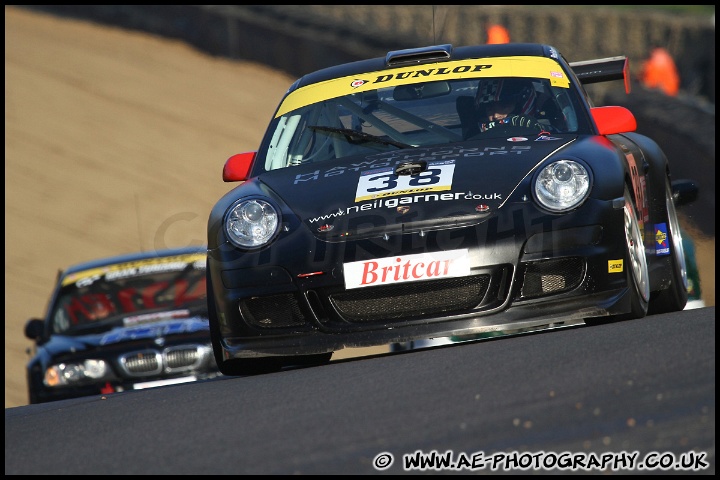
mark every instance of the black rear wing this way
{"type": "Point", "coordinates": [603, 70]}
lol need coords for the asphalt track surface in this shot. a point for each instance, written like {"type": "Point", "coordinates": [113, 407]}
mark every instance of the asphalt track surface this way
{"type": "Point", "coordinates": [644, 387]}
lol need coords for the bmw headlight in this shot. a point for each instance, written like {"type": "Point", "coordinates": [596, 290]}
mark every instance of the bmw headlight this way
{"type": "Point", "coordinates": [562, 185]}
{"type": "Point", "coordinates": [65, 374]}
{"type": "Point", "coordinates": [251, 223]}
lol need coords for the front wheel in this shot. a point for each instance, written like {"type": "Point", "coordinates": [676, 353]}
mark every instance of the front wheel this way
{"type": "Point", "coordinates": [638, 276]}
{"type": "Point", "coordinates": [635, 266]}
{"type": "Point", "coordinates": [675, 296]}
{"type": "Point", "coordinates": [262, 365]}
{"type": "Point", "coordinates": [251, 366]}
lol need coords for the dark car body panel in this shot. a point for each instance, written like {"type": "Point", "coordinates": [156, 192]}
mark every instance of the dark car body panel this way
{"type": "Point", "coordinates": [290, 297]}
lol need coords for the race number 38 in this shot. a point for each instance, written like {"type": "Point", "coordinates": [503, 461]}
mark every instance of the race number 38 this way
{"type": "Point", "coordinates": [383, 182]}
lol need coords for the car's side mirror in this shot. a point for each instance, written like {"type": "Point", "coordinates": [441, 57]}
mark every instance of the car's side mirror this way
{"type": "Point", "coordinates": [35, 329]}
{"type": "Point", "coordinates": [611, 120]}
{"type": "Point", "coordinates": [684, 192]}
{"type": "Point", "coordinates": [237, 168]}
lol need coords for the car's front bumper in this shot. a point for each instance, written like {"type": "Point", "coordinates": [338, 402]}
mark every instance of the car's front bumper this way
{"type": "Point", "coordinates": [42, 394]}
{"type": "Point", "coordinates": [532, 272]}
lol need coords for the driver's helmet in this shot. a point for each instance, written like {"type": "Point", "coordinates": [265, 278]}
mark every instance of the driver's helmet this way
{"type": "Point", "coordinates": [518, 91]}
{"type": "Point", "coordinates": [98, 305]}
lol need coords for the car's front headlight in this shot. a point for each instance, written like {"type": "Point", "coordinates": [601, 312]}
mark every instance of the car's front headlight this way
{"type": "Point", "coordinates": [562, 185]}
{"type": "Point", "coordinates": [66, 374]}
{"type": "Point", "coordinates": [251, 223]}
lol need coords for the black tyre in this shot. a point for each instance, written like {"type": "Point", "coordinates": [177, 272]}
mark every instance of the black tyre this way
{"type": "Point", "coordinates": [306, 360]}
{"type": "Point", "coordinates": [251, 366]}
{"type": "Point", "coordinates": [261, 365]}
{"type": "Point", "coordinates": [234, 367]}
{"type": "Point", "coordinates": [214, 327]}
{"type": "Point", "coordinates": [675, 296]}
{"type": "Point", "coordinates": [638, 276]}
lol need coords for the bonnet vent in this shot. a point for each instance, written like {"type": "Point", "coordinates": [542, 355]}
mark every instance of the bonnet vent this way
{"type": "Point", "coordinates": [416, 56]}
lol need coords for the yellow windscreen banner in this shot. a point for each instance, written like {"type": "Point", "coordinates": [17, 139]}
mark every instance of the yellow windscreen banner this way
{"type": "Point", "coordinates": [180, 260]}
{"type": "Point", "coordinates": [533, 67]}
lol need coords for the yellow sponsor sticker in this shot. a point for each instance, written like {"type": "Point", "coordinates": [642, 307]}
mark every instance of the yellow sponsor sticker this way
{"type": "Point", "coordinates": [615, 266]}
{"type": "Point", "coordinates": [159, 264]}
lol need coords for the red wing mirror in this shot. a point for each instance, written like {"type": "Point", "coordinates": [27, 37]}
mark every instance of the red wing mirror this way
{"type": "Point", "coordinates": [611, 120]}
{"type": "Point", "coordinates": [237, 168]}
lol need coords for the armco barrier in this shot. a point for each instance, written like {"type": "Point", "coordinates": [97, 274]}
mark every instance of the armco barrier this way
{"type": "Point", "coordinates": [331, 34]}
{"type": "Point", "coordinates": [302, 38]}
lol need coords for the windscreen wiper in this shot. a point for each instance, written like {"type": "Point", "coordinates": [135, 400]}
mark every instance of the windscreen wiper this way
{"type": "Point", "coordinates": [354, 135]}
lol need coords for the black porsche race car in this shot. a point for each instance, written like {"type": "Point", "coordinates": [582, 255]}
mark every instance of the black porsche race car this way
{"type": "Point", "coordinates": [123, 323]}
{"type": "Point", "coordinates": [435, 192]}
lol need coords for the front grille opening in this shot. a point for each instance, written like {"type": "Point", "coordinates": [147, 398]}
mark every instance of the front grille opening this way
{"type": "Point", "coordinates": [550, 277]}
{"type": "Point", "coordinates": [184, 358]}
{"type": "Point", "coordinates": [142, 363]}
{"type": "Point", "coordinates": [405, 300]}
{"type": "Point", "coordinates": [148, 363]}
{"type": "Point", "coordinates": [272, 311]}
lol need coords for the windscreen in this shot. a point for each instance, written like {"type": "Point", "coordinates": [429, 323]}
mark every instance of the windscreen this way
{"type": "Point", "coordinates": [131, 293]}
{"type": "Point", "coordinates": [397, 110]}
